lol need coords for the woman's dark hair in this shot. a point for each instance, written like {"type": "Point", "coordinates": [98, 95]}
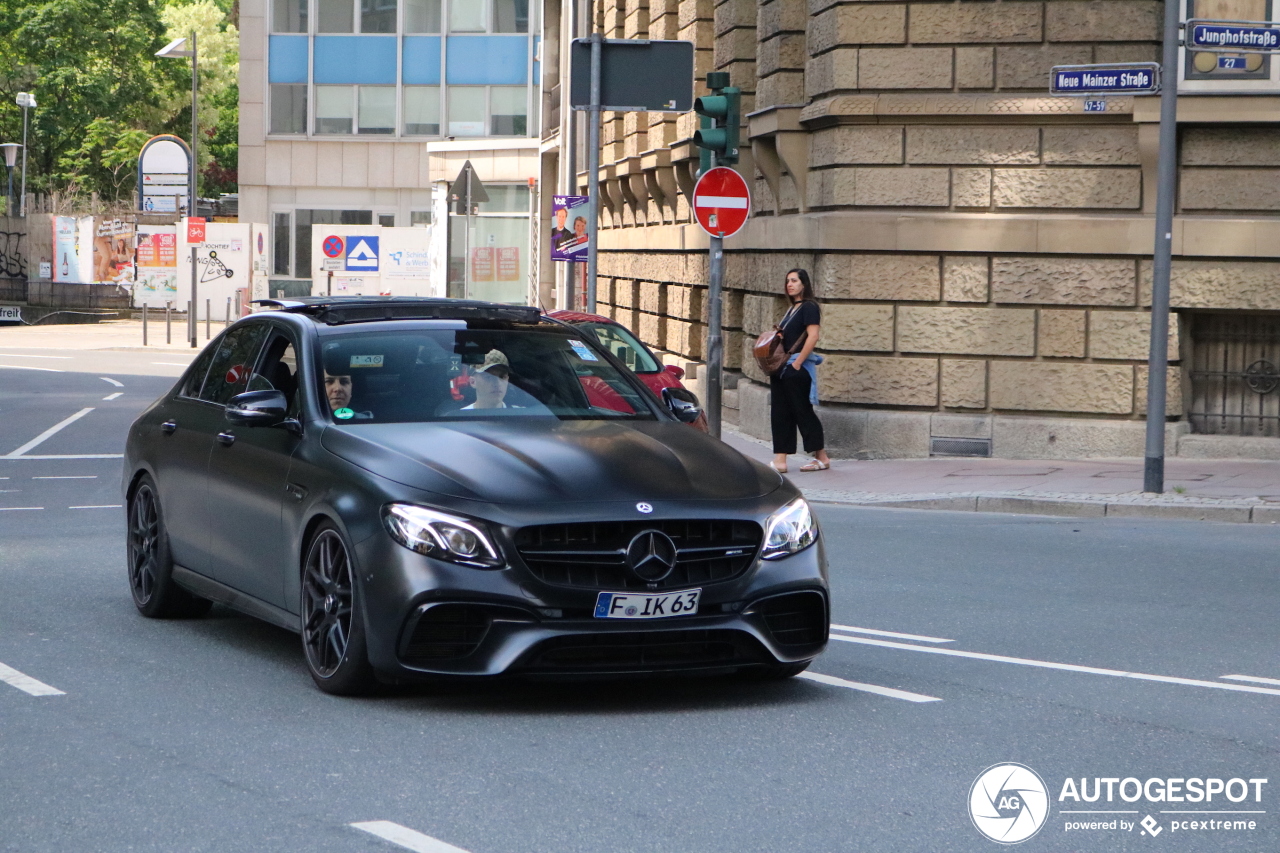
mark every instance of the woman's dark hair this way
{"type": "Point", "coordinates": [806, 295]}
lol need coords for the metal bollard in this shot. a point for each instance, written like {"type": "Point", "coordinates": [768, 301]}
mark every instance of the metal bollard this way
{"type": "Point", "coordinates": [208, 312]}
{"type": "Point", "coordinates": [144, 325]}
{"type": "Point", "coordinates": [168, 322]}
{"type": "Point", "coordinates": [191, 322]}
{"type": "Point", "coordinates": [228, 320]}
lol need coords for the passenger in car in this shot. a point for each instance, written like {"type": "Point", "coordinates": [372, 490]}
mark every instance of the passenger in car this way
{"type": "Point", "coordinates": [491, 380]}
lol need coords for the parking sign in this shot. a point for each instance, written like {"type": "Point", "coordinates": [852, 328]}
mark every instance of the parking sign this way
{"type": "Point", "coordinates": [362, 254]}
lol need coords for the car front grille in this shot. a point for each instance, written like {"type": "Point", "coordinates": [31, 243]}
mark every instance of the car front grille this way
{"type": "Point", "coordinates": [591, 555]}
{"type": "Point", "coordinates": [647, 651]}
{"type": "Point", "coordinates": [795, 618]}
{"type": "Point", "coordinates": [445, 632]}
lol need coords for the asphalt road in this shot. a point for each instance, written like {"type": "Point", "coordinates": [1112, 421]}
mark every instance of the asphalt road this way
{"type": "Point", "coordinates": [1030, 640]}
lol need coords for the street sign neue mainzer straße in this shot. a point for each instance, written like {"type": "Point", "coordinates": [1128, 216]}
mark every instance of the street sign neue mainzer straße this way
{"type": "Point", "coordinates": [1121, 78]}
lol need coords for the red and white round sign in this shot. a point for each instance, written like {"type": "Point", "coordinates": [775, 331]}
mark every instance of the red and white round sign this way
{"type": "Point", "coordinates": [721, 202]}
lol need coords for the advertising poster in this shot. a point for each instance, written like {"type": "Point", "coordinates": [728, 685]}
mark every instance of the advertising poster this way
{"type": "Point", "coordinates": [259, 239]}
{"type": "Point", "coordinates": [569, 228]}
{"type": "Point", "coordinates": [157, 261]}
{"type": "Point", "coordinates": [66, 260]}
{"type": "Point", "coordinates": [113, 245]}
{"type": "Point", "coordinates": [482, 263]}
{"type": "Point", "coordinates": [509, 263]}
{"type": "Point", "coordinates": [223, 266]}
{"type": "Point", "coordinates": [406, 252]}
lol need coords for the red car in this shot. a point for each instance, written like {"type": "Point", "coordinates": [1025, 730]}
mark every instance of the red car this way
{"type": "Point", "coordinates": [616, 338]}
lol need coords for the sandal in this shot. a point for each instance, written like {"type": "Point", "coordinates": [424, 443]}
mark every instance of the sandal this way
{"type": "Point", "coordinates": [815, 465]}
{"type": "Point", "coordinates": [776, 468]}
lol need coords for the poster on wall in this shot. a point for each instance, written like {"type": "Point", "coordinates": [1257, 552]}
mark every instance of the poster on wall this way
{"type": "Point", "coordinates": [66, 261]}
{"type": "Point", "coordinates": [223, 265]}
{"type": "Point", "coordinates": [406, 252]}
{"type": "Point", "coordinates": [482, 263]}
{"type": "Point", "coordinates": [508, 263]}
{"type": "Point", "coordinates": [113, 244]}
{"type": "Point", "coordinates": [157, 261]}
{"type": "Point", "coordinates": [569, 228]}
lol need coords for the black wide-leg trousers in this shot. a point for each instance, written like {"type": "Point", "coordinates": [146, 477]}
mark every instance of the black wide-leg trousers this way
{"type": "Point", "coordinates": [790, 409]}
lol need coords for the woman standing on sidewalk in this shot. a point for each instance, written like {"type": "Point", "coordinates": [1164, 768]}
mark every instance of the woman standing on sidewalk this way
{"type": "Point", "coordinates": [793, 391]}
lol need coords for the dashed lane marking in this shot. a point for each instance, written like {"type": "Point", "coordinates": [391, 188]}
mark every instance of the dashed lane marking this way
{"type": "Point", "coordinates": [98, 506]}
{"type": "Point", "coordinates": [21, 355]}
{"type": "Point", "coordinates": [67, 477]}
{"type": "Point", "coordinates": [112, 396]}
{"type": "Point", "coordinates": [173, 363]}
{"type": "Point", "coordinates": [18, 508]}
{"type": "Point", "coordinates": [894, 634]}
{"type": "Point", "coordinates": [26, 683]}
{"type": "Point", "coordinates": [69, 456]}
{"type": "Point", "coordinates": [49, 433]}
{"type": "Point", "coordinates": [109, 379]}
{"type": "Point", "coordinates": [406, 837]}
{"type": "Point", "coordinates": [25, 367]}
{"type": "Point", "coordinates": [868, 688]}
{"type": "Point", "coordinates": [1255, 679]}
{"type": "Point", "coordinates": [1068, 667]}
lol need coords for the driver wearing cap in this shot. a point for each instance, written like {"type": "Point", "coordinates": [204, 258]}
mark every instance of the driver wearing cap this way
{"type": "Point", "coordinates": [490, 381]}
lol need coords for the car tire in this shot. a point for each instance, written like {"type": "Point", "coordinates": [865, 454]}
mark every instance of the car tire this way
{"type": "Point", "coordinates": [333, 637]}
{"type": "Point", "coordinates": [151, 583]}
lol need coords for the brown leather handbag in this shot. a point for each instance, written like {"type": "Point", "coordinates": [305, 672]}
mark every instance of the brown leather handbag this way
{"type": "Point", "coordinates": [768, 350]}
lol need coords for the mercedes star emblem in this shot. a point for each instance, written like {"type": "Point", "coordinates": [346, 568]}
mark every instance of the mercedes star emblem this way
{"type": "Point", "coordinates": [651, 555]}
{"type": "Point", "coordinates": [644, 507]}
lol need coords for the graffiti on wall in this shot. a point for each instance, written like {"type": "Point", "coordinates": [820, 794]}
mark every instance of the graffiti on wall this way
{"type": "Point", "coordinates": [13, 264]}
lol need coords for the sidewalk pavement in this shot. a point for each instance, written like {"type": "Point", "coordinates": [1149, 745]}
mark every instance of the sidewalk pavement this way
{"type": "Point", "coordinates": [117, 335]}
{"type": "Point", "coordinates": [1236, 490]}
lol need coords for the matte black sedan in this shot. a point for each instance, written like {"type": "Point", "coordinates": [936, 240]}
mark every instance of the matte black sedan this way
{"type": "Point", "coordinates": [426, 487]}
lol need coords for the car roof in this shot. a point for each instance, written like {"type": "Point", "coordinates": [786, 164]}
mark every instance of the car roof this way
{"type": "Point", "coordinates": [340, 310]}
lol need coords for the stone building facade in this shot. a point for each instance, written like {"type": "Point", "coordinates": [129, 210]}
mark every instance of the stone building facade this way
{"type": "Point", "coordinates": [981, 249]}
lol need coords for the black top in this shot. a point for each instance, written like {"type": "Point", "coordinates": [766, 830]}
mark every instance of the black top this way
{"type": "Point", "coordinates": [803, 316]}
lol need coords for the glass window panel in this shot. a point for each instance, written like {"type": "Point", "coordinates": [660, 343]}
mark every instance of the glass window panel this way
{"type": "Point", "coordinates": [377, 109]}
{"type": "Point", "coordinates": [288, 108]}
{"type": "Point", "coordinates": [289, 16]}
{"type": "Point", "coordinates": [419, 218]}
{"type": "Point", "coordinates": [506, 198]}
{"type": "Point", "coordinates": [335, 16]}
{"type": "Point", "coordinates": [387, 220]}
{"type": "Point", "coordinates": [377, 16]}
{"type": "Point", "coordinates": [334, 109]}
{"type": "Point", "coordinates": [422, 110]}
{"type": "Point", "coordinates": [422, 16]}
{"type": "Point", "coordinates": [280, 234]}
{"type": "Point", "coordinates": [466, 110]}
{"type": "Point", "coordinates": [239, 348]}
{"type": "Point", "coordinates": [511, 16]}
{"type": "Point", "coordinates": [508, 111]}
{"type": "Point", "coordinates": [467, 16]}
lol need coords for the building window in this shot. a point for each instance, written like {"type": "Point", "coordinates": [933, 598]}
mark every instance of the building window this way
{"type": "Point", "coordinates": [289, 16]}
{"type": "Point", "coordinates": [466, 110]}
{"type": "Point", "coordinates": [335, 16]}
{"type": "Point", "coordinates": [378, 109]}
{"type": "Point", "coordinates": [506, 198]}
{"type": "Point", "coordinates": [419, 218]}
{"type": "Point", "coordinates": [288, 108]}
{"type": "Point", "coordinates": [511, 16]}
{"type": "Point", "coordinates": [280, 244]}
{"type": "Point", "coordinates": [467, 16]}
{"type": "Point", "coordinates": [335, 109]}
{"type": "Point", "coordinates": [377, 16]}
{"type": "Point", "coordinates": [422, 16]}
{"type": "Point", "coordinates": [304, 220]}
{"type": "Point", "coordinates": [508, 111]}
{"type": "Point", "coordinates": [387, 220]}
{"type": "Point", "coordinates": [422, 110]}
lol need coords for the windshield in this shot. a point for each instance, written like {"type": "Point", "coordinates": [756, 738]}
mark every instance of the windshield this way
{"type": "Point", "coordinates": [443, 374]}
{"type": "Point", "coordinates": [623, 345]}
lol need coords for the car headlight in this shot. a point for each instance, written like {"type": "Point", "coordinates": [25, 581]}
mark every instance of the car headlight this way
{"type": "Point", "coordinates": [789, 530]}
{"type": "Point", "coordinates": [440, 535]}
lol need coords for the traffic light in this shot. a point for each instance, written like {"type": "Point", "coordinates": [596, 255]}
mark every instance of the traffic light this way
{"type": "Point", "coordinates": [722, 120]}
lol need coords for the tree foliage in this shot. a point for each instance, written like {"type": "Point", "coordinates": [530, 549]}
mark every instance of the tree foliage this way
{"type": "Point", "coordinates": [101, 91]}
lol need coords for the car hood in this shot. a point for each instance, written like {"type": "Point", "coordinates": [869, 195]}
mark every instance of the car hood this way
{"type": "Point", "coordinates": [533, 461]}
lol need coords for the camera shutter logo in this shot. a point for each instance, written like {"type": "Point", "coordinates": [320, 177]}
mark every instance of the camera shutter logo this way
{"type": "Point", "coordinates": [1008, 803]}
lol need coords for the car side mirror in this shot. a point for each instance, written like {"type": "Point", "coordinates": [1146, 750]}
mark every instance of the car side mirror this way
{"type": "Point", "coordinates": [258, 408]}
{"type": "Point", "coordinates": [683, 403]}
{"type": "Point", "coordinates": [676, 372]}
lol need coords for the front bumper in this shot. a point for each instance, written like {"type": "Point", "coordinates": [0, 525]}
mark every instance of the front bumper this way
{"type": "Point", "coordinates": [426, 618]}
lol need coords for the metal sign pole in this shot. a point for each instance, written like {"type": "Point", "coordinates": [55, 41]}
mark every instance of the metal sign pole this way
{"type": "Point", "coordinates": [715, 337]}
{"type": "Point", "coordinates": [593, 170]}
{"type": "Point", "coordinates": [192, 319]}
{"type": "Point", "coordinates": [1166, 186]}
{"type": "Point", "coordinates": [466, 243]}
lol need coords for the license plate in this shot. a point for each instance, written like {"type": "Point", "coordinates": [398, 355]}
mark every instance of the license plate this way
{"type": "Point", "coordinates": [662, 605]}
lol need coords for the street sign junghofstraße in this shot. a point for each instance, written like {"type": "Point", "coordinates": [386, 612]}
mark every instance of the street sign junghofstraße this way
{"type": "Point", "coordinates": [1233, 36]}
{"type": "Point", "coordinates": [1121, 78]}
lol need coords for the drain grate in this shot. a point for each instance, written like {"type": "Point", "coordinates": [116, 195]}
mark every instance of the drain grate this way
{"type": "Point", "coordinates": [960, 447]}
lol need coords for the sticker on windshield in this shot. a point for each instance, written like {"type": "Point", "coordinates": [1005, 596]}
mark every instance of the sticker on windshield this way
{"type": "Point", "coordinates": [583, 353]}
{"type": "Point", "coordinates": [344, 413]}
{"type": "Point", "coordinates": [366, 361]}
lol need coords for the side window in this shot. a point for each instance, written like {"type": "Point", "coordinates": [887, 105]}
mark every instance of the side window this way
{"type": "Point", "coordinates": [195, 376]}
{"type": "Point", "coordinates": [278, 370]}
{"type": "Point", "coordinates": [231, 367]}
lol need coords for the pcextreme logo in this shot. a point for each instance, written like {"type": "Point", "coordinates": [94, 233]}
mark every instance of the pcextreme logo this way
{"type": "Point", "coordinates": [1009, 803]}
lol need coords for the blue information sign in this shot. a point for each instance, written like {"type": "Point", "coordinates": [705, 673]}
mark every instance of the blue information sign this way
{"type": "Point", "coordinates": [1129, 78]}
{"type": "Point", "coordinates": [1233, 36]}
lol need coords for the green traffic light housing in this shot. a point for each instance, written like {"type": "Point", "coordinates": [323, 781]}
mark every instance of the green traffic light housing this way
{"type": "Point", "coordinates": [722, 120]}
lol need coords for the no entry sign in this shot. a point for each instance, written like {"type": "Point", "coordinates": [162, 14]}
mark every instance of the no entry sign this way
{"type": "Point", "coordinates": [721, 202]}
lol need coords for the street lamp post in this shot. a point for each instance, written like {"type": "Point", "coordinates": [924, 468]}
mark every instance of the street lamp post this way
{"type": "Point", "coordinates": [26, 100]}
{"type": "Point", "coordinates": [172, 49]}
{"type": "Point", "coordinates": [10, 160]}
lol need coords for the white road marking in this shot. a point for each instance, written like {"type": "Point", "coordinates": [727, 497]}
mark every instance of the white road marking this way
{"type": "Point", "coordinates": [20, 355]}
{"type": "Point", "coordinates": [68, 477]}
{"type": "Point", "coordinates": [1069, 667]}
{"type": "Point", "coordinates": [1212, 811]}
{"type": "Point", "coordinates": [112, 396]}
{"type": "Point", "coordinates": [728, 201]}
{"type": "Point", "coordinates": [24, 367]}
{"type": "Point", "coordinates": [70, 456]}
{"type": "Point", "coordinates": [98, 506]}
{"type": "Point", "coordinates": [18, 508]}
{"type": "Point", "coordinates": [109, 379]}
{"type": "Point", "coordinates": [50, 432]}
{"type": "Point", "coordinates": [173, 363]}
{"type": "Point", "coordinates": [1253, 678]}
{"type": "Point", "coordinates": [868, 688]}
{"type": "Point", "coordinates": [26, 683]}
{"type": "Point", "coordinates": [405, 837]}
{"type": "Point", "coordinates": [1096, 811]}
{"type": "Point", "coordinates": [894, 634]}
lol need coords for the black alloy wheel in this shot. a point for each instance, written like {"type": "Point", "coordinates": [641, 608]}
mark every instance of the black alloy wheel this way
{"type": "Point", "coordinates": [150, 566]}
{"type": "Point", "coordinates": [332, 628]}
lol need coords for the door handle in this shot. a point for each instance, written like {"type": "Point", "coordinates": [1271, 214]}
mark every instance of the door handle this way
{"type": "Point", "coordinates": [169, 427]}
{"type": "Point", "coordinates": [226, 439]}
